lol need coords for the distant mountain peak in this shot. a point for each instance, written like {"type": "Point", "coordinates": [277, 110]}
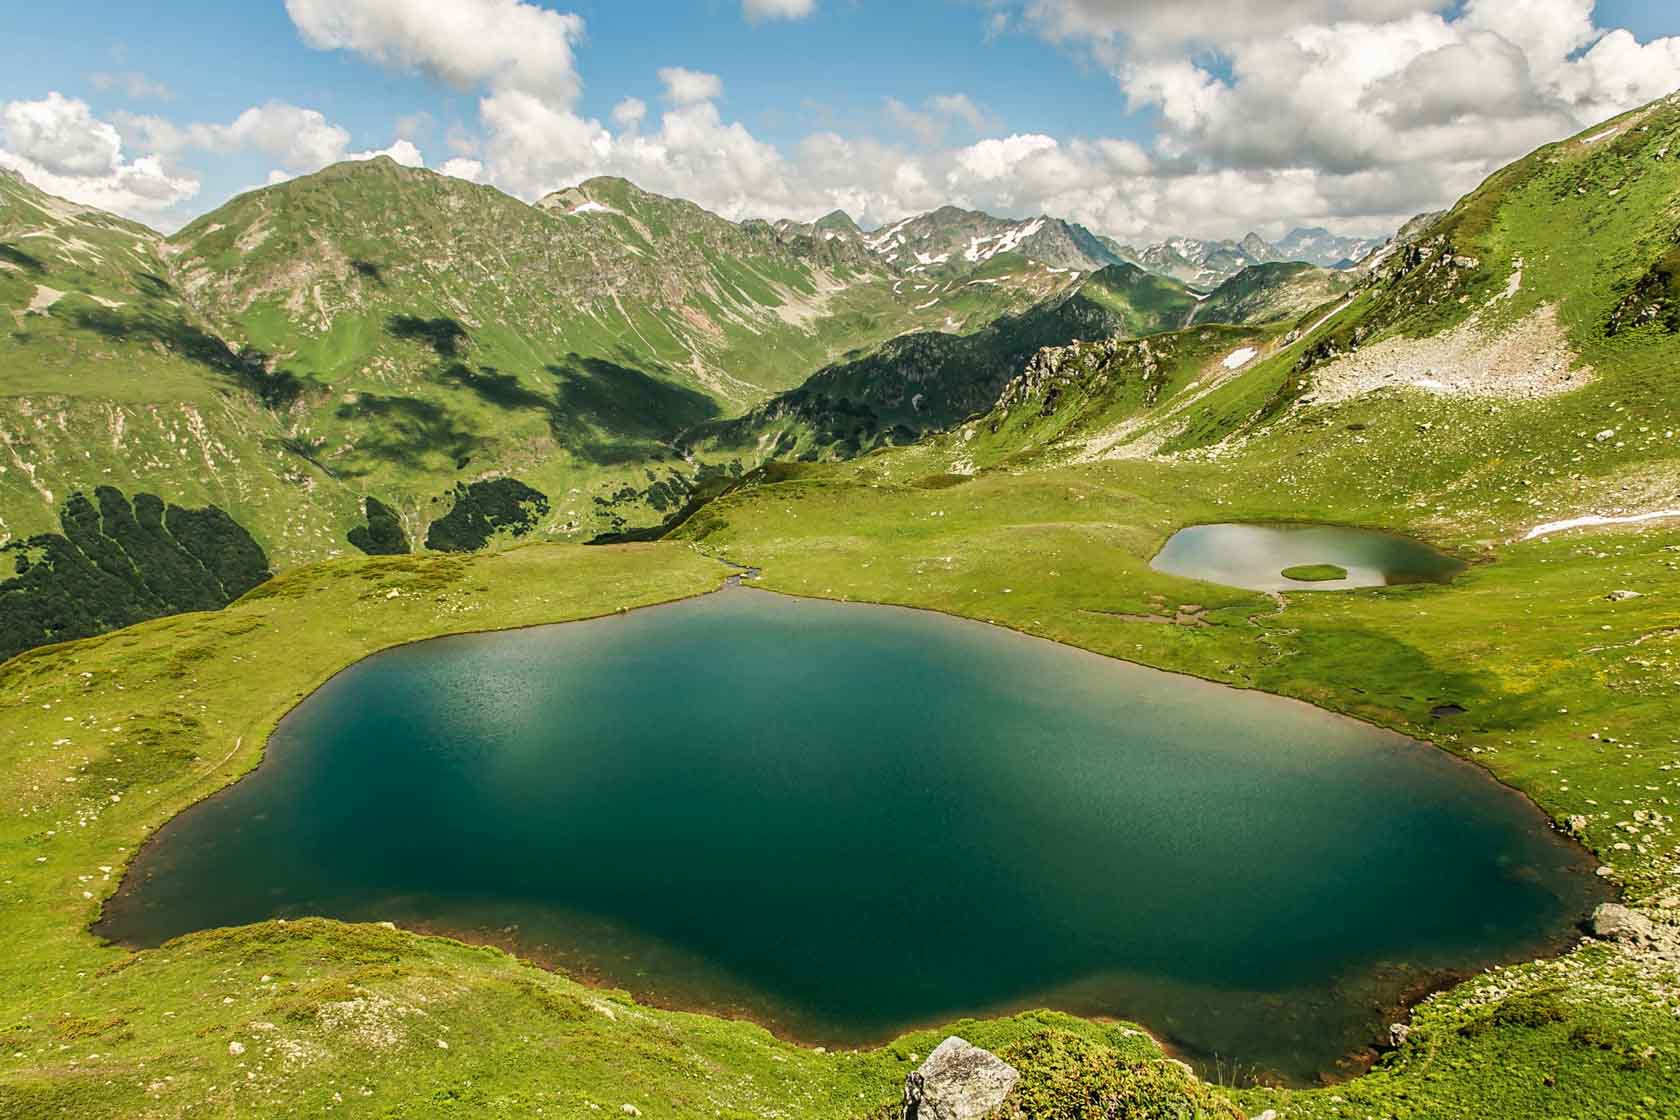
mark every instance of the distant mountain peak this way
{"type": "Point", "coordinates": [838, 221]}
{"type": "Point", "coordinates": [1317, 245]}
{"type": "Point", "coordinates": [957, 240]}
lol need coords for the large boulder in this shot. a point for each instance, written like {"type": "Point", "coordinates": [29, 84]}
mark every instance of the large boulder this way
{"type": "Point", "coordinates": [957, 1082]}
{"type": "Point", "coordinates": [1625, 926]}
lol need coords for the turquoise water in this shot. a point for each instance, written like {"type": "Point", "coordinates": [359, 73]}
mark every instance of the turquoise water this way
{"type": "Point", "coordinates": [844, 821]}
{"type": "Point", "coordinates": [1255, 556]}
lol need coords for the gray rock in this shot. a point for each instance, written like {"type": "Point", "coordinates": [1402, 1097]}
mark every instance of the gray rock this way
{"type": "Point", "coordinates": [1638, 931]}
{"type": "Point", "coordinates": [957, 1082]}
{"type": "Point", "coordinates": [1622, 596]}
{"type": "Point", "coordinates": [1614, 922]}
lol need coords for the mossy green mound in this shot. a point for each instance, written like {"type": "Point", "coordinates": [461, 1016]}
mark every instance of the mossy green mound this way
{"type": "Point", "coordinates": [1314, 573]}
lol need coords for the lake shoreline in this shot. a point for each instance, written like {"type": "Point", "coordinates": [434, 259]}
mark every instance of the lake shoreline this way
{"type": "Point", "coordinates": [733, 582]}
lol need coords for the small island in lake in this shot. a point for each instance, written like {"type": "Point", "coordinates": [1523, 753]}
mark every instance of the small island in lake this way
{"type": "Point", "coordinates": [1314, 573]}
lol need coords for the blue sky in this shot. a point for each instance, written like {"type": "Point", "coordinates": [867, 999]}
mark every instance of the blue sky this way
{"type": "Point", "coordinates": [1137, 122]}
{"type": "Point", "coordinates": [783, 78]}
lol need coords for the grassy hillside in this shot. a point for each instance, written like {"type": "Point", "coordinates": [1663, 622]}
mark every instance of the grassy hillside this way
{"type": "Point", "coordinates": [1277, 290]}
{"type": "Point", "coordinates": [379, 332]}
{"type": "Point", "coordinates": [111, 378]}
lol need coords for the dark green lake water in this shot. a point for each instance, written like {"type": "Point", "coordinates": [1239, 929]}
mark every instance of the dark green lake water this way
{"type": "Point", "coordinates": [845, 821]}
{"type": "Point", "coordinates": [1255, 556]}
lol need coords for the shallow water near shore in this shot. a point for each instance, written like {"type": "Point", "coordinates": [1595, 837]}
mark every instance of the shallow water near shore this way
{"type": "Point", "coordinates": [1256, 556]}
{"type": "Point", "coordinates": [844, 821]}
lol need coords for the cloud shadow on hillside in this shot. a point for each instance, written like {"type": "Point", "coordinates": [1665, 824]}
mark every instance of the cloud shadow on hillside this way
{"type": "Point", "coordinates": [277, 388]}
{"type": "Point", "coordinates": [26, 261]}
{"type": "Point", "coordinates": [610, 413]}
{"type": "Point", "coordinates": [407, 432]}
{"type": "Point", "coordinates": [599, 410]}
{"type": "Point", "coordinates": [444, 335]}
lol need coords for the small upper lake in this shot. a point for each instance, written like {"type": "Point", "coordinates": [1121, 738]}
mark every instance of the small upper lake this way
{"type": "Point", "coordinates": [1256, 557]}
{"type": "Point", "coordinates": [847, 820]}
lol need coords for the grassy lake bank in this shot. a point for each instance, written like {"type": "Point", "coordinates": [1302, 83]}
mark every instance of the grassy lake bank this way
{"type": "Point", "coordinates": [364, 1007]}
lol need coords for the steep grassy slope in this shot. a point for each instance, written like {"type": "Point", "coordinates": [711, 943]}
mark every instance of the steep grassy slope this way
{"type": "Point", "coordinates": [1513, 358]}
{"type": "Point", "coordinates": [109, 377]}
{"type": "Point", "coordinates": [314, 273]}
{"type": "Point", "coordinates": [1276, 290]}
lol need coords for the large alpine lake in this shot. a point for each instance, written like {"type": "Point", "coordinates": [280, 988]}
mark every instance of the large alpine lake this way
{"type": "Point", "coordinates": [844, 821]}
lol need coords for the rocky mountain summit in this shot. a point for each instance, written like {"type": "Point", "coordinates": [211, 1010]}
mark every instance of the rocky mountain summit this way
{"type": "Point", "coordinates": [954, 240]}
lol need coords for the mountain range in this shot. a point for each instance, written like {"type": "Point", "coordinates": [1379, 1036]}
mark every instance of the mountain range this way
{"type": "Point", "coordinates": [344, 361]}
{"type": "Point", "coordinates": [951, 240]}
{"type": "Point", "coordinates": [377, 332]}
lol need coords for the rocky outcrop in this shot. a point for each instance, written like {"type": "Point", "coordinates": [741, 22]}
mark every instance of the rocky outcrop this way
{"type": "Point", "coordinates": [958, 1081]}
{"type": "Point", "coordinates": [1055, 369]}
{"type": "Point", "coordinates": [1625, 926]}
{"type": "Point", "coordinates": [1655, 298]}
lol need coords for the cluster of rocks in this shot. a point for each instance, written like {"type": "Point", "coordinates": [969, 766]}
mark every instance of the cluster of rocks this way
{"type": "Point", "coordinates": [1525, 360]}
{"type": "Point", "coordinates": [1628, 927]}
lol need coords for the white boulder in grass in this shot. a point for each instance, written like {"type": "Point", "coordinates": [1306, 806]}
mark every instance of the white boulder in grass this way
{"type": "Point", "coordinates": [957, 1082]}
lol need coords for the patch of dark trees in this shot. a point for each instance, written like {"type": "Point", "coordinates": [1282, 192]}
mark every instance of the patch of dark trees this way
{"type": "Point", "coordinates": [710, 483]}
{"type": "Point", "coordinates": [483, 509]}
{"type": "Point", "coordinates": [117, 563]}
{"type": "Point", "coordinates": [383, 534]}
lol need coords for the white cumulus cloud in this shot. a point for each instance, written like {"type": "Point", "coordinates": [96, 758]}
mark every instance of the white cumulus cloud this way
{"type": "Point", "coordinates": [403, 151]}
{"type": "Point", "coordinates": [62, 148]}
{"type": "Point", "coordinates": [1352, 111]}
{"type": "Point", "coordinates": [463, 168]}
{"type": "Point", "coordinates": [629, 113]}
{"type": "Point", "coordinates": [508, 43]}
{"type": "Point", "coordinates": [689, 87]}
{"type": "Point", "coordinates": [756, 10]}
